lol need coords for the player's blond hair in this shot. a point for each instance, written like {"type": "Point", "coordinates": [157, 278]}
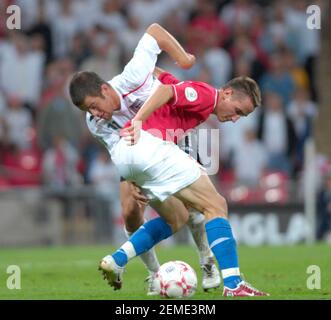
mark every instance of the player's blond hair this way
{"type": "Point", "coordinates": [247, 86]}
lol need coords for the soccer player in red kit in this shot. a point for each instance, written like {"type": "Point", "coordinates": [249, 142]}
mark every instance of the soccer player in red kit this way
{"type": "Point", "coordinates": [175, 108]}
{"type": "Point", "coordinates": [178, 106]}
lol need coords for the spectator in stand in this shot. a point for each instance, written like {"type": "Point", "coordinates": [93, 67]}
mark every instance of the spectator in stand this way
{"type": "Point", "coordinates": [276, 131]}
{"type": "Point", "coordinates": [239, 12]}
{"type": "Point", "coordinates": [105, 179]}
{"type": "Point", "coordinates": [103, 175]}
{"type": "Point", "coordinates": [149, 11]}
{"type": "Point", "coordinates": [277, 34]}
{"type": "Point", "coordinates": [21, 70]}
{"type": "Point", "coordinates": [250, 160]}
{"type": "Point", "coordinates": [302, 111]}
{"type": "Point", "coordinates": [218, 62]}
{"type": "Point", "coordinates": [111, 17]}
{"type": "Point", "coordinates": [324, 210]}
{"type": "Point", "coordinates": [19, 123]}
{"type": "Point", "coordinates": [80, 49]}
{"type": "Point", "coordinates": [57, 115]}
{"type": "Point", "coordinates": [106, 55]}
{"type": "Point", "coordinates": [308, 42]}
{"type": "Point", "coordinates": [242, 68]}
{"type": "Point", "coordinates": [60, 164]}
{"type": "Point", "coordinates": [60, 174]}
{"type": "Point", "coordinates": [129, 37]}
{"type": "Point", "coordinates": [278, 79]}
{"type": "Point", "coordinates": [244, 49]}
{"type": "Point", "coordinates": [177, 18]}
{"type": "Point", "coordinates": [42, 28]}
{"type": "Point", "coordinates": [213, 66]}
{"type": "Point", "coordinates": [297, 72]}
{"type": "Point", "coordinates": [64, 28]}
{"type": "Point", "coordinates": [205, 25]}
{"type": "Point", "coordinates": [87, 13]}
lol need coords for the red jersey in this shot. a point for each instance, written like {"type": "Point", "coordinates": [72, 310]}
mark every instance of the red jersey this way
{"type": "Point", "coordinates": [192, 103]}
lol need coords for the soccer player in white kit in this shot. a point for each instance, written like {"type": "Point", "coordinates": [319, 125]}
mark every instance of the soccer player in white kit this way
{"type": "Point", "coordinates": [167, 176]}
{"type": "Point", "coordinates": [132, 88]}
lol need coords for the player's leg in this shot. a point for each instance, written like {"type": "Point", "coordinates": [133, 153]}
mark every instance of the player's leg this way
{"type": "Point", "coordinates": [196, 223]}
{"type": "Point", "coordinates": [203, 196]}
{"type": "Point", "coordinates": [173, 170]}
{"type": "Point", "coordinates": [133, 217]}
{"type": "Point", "coordinates": [210, 275]}
{"type": "Point", "coordinates": [173, 215]}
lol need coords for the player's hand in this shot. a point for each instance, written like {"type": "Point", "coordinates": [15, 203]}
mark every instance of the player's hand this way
{"type": "Point", "coordinates": [139, 196]}
{"type": "Point", "coordinates": [132, 133]}
{"type": "Point", "coordinates": [188, 62]}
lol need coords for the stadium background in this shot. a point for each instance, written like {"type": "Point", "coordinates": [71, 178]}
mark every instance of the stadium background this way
{"type": "Point", "coordinates": [58, 186]}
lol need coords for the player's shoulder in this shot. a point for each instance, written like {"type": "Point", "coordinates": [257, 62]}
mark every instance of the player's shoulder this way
{"type": "Point", "coordinates": [195, 84]}
{"type": "Point", "coordinates": [203, 85]}
{"type": "Point", "coordinates": [194, 90]}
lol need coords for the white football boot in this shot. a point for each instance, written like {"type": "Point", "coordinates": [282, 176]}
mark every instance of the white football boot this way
{"type": "Point", "coordinates": [211, 278]}
{"type": "Point", "coordinates": [111, 272]}
{"type": "Point", "coordinates": [151, 289]}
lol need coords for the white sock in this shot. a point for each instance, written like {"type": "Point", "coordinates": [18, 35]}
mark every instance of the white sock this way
{"type": "Point", "coordinates": [196, 224]}
{"type": "Point", "coordinates": [149, 257]}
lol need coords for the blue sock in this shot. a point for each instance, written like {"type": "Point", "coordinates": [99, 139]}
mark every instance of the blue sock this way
{"type": "Point", "coordinates": [223, 245]}
{"type": "Point", "coordinates": [145, 238]}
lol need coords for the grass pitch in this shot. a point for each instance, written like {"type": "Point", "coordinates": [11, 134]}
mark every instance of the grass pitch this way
{"type": "Point", "coordinates": [71, 272]}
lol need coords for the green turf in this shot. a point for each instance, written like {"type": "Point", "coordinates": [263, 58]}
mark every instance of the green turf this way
{"type": "Point", "coordinates": [71, 272]}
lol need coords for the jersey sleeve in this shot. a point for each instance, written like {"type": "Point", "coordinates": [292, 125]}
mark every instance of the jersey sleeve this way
{"type": "Point", "coordinates": [168, 78]}
{"type": "Point", "coordinates": [194, 96]}
{"type": "Point", "coordinates": [142, 63]}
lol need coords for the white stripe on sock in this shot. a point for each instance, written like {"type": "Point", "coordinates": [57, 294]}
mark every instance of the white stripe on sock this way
{"type": "Point", "coordinates": [218, 241]}
{"type": "Point", "coordinates": [230, 272]}
{"type": "Point", "coordinates": [149, 257]}
{"type": "Point", "coordinates": [129, 250]}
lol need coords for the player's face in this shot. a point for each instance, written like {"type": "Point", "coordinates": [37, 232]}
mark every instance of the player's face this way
{"type": "Point", "coordinates": [102, 107]}
{"type": "Point", "coordinates": [232, 107]}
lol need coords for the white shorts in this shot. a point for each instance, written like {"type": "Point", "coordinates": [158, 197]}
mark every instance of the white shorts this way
{"type": "Point", "coordinates": [159, 167]}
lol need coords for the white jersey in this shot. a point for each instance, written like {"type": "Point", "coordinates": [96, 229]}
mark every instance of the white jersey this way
{"type": "Point", "coordinates": [165, 169]}
{"type": "Point", "coordinates": [133, 86]}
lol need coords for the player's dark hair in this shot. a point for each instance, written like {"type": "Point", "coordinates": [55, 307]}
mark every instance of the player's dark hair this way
{"type": "Point", "coordinates": [83, 84]}
{"type": "Point", "coordinates": [246, 86]}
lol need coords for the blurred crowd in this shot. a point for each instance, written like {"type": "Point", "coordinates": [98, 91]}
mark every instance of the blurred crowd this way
{"type": "Point", "coordinates": [43, 138]}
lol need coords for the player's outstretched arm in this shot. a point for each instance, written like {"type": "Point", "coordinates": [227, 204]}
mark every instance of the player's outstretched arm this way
{"type": "Point", "coordinates": [171, 46]}
{"type": "Point", "coordinates": [160, 97]}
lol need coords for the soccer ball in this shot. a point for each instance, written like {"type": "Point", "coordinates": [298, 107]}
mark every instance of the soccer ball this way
{"type": "Point", "coordinates": [176, 279]}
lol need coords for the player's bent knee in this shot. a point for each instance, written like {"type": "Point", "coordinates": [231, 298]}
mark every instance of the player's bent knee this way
{"type": "Point", "coordinates": [132, 215]}
{"type": "Point", "coordinates": [218, 208]}
{"type": "Point", "coordinates": [176, 222]}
